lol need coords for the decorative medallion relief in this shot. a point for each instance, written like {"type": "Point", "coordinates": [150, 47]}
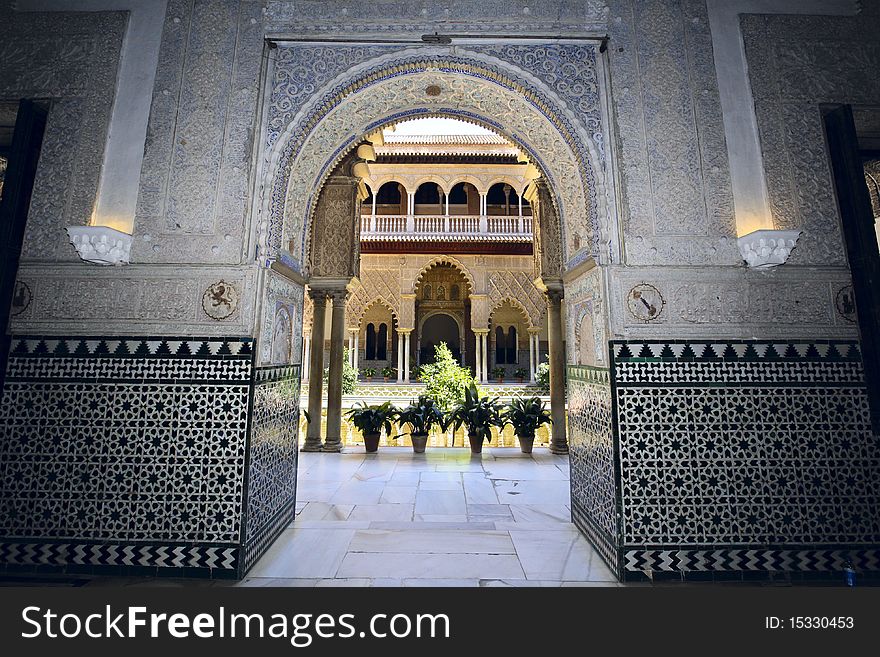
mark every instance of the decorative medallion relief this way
{"type": "Point", "coordinates": [645, 302]}
{"type": "Point", "coordinates": [845, 303]}
{"type": "Point", "coordinates": [220, 300]}
{"type": "Point", "coordinates": [21, 298]}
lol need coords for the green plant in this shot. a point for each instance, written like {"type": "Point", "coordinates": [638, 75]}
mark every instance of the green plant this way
{"type": "Point", "coordinates": [415, 372]}
{"type": "Point", "coordinates": [371, 419]}
{"type": "Point", "coordinates": [445, 380]}
{"type": "Point", "coordinates": [478, 414]}
{"type": "Point", "coordinates": [498, 372]}
{"type": "Point", "coordinates": [526, 414]}
{"type": "Point", "coordinates": [521, 373]}
{"type": "Point", "coordinates": [369, 372]}
{"type": "Point", "coordinates": [421, 416]}
{"type": "Point", "coordinates": [542, 376]}
{"type": "Point", "coordinates": [349, 374]}
{"type": "Point", "coordinates": [388, 372]}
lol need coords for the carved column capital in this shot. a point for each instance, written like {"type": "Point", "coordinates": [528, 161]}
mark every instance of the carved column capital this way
{"type": "Point", "coordinates": [338, 296]}
{"type": "Point", "coordinates": [318, 295]}
{"type": "Point", "coordinates": [554, 296]}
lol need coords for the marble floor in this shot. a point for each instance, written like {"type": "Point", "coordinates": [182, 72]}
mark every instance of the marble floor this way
{"type": "Point", "coordinates": [443, 518]}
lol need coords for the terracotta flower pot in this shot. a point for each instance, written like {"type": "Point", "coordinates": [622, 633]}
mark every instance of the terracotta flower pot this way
{"type": "Point", "coordinates": [476, 444]}
{"type": "Point", "coordinates": [419, 442]}
{"type": "Point", "coordinates": [371, 442]}
{"type": "Point", "coordinates": [526, 443]}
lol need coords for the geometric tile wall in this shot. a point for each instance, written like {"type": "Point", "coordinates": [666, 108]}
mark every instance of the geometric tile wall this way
{"type": "Point", "coordinates": [742, 457]}
{"type": "Point", "coordinates": [591, 455]}
{"type": "Point", "coordinates": [272, 459]}
{"type": "Point", "coordinates": [134, 455]}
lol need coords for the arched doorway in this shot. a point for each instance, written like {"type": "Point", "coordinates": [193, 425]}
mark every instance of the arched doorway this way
{"type": "Point", "coordinates": [438, 328]}
{"type": "Point", "coordinates": [306, 221]}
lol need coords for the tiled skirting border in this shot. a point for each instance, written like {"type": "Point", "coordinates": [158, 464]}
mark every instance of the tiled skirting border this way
{"type": "Point", "coordinates": [272, 458]}
{"type": "Point", "coordinates": [731, 457]}
{"type": "Point", "coordinates": [143, 455]}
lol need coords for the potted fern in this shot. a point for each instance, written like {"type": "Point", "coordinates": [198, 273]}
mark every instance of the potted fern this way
{"type": "Point", "coordinates": [370, 420]}
{"type": "Point", "coordinates": [387, 373]}
{"type": "Point", "coordinates": [498, 372]}
{"type": "Point", "coordinates": [421, 416]}
{"type": "Point", "coordinates": [369, 373]}
{"type": "Point", "coordinates": [478, 414]}
{"type": "Point", "coordinates": [526, 414]}
{"type": "Point", "coordinates": [521, 374]}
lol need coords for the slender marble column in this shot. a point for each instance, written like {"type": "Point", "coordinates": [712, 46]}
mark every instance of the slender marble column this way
{"type": "Point", "coordinates": [306, 356]}
{"type": "Point", "coordinates": [406, 357]}
{"type": "Point", "coordinates": [316, 370]}
{"type": "Point", "coordinates": [333, 441]}
{"type": "Point", "coordinates": [399, 357]}
{"type": "Point", "coordinates": [532, 365]}
{"type": "Point", "coordinates": [357, 348]}
{"type": "Point", "coordinates": [559, 443]}
{"type": "Point", "coordinates": [478, 354]}
{"type": "Point", "coordinates": [484, 339]}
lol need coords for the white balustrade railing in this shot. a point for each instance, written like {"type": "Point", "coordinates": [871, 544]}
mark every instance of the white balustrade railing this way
{"type": "Point", "coordinates": [393, 226]}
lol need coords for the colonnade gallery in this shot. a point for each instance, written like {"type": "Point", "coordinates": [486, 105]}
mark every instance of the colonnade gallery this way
{"type": "Point", "coordinates": [214, 211]}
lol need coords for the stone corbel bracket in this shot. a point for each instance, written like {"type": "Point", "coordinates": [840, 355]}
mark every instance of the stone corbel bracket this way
{"type": "Point", "coordinates": [101, 245]}
{"type": "Point", "coordinates": [767, 248]}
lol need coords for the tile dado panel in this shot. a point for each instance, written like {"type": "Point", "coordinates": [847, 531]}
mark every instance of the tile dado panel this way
{"type": "Point", "coordinates": [731, 457]}
{"type": "Point", "coordinates": [591, 454]}
{"type": "Point", "coordinates": [143, 455]}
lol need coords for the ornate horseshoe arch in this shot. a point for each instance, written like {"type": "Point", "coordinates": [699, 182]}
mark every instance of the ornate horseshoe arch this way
{"type": "Point", "coordinates": [474, 86]}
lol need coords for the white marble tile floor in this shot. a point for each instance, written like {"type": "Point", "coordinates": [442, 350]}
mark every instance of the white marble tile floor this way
{"type": "Point", "coordinates": [445, 518]}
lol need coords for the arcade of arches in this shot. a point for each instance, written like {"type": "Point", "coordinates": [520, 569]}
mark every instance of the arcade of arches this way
{"type": "Point", "coordinates": [447, 254]}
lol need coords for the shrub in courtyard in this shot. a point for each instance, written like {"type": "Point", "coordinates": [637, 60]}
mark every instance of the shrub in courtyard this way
{"type": "Point", "coordinates": [542, 376]}
{"type": "Point", "coordinates": [349, 375]}
{"type": "Point", "coordinates": [445, 380]}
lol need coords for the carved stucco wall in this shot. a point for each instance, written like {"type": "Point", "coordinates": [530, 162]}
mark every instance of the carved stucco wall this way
{"type": "Point", "coordinates": [195, 180]}
{"type": "Point", "coordinates": [672, 157]}
{"type": "Point", "coordinates": [796, 63]}
{"type": "Point", "coordinates": [70, 61]}
{"type": "Point", "coordinates": [586, 331]}
{"type": "Point", "coordinates": [390, 278]}
{"type": "Point", "coordinates": [677, 209]}
{"type": "Point", "coordinates": [282, 296]}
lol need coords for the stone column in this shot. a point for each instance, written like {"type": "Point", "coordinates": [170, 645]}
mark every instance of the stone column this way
{"type": "Point", "coordinates": [357, 347]}
{"type": "Point", "coordinates": [478, 354]}
{"type": "Point", "coordinates": [533, 357]}
{"type": "Point", "coordinates": [306, 356]}
{"type": "Point", "coordinates": [406, 357]}
{"type": "Point", "coordinates": [559, 442]}
{"type": "Point", "coordinates": [484, 339]}
{"type": "Point", "coordinates": [316, 371]}
{"type": "Point", "coordinates": [399, 357]}
{"type": "Point", "coordinates": [484, 222]}
{"type": "Point", "coordinates": [410, 212]}
{"type": "Point", "coordinates": [333, 441]}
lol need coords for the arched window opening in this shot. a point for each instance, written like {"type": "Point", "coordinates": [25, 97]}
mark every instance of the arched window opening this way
{"type": "Point", "coordinates": [511, 346]}
{"type": "Point", "coordinates": [428, 194]}
{"type": "Point", "coordinates": [389, 199]}
{"type": "Point", "coordinates": [382, 342]}
{"type": "Point", "coordinates": [441, 293]}
{"type": "Point", "coordinates": [454, 293]}
{"type": "Point", "coordinates": [500, 351]}
{"type": "Point", "coordinates": [426, 293]}
{"type": "Point", "coordinates": [371, 342]}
